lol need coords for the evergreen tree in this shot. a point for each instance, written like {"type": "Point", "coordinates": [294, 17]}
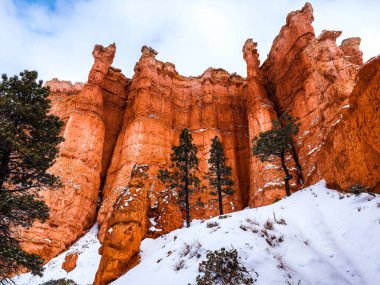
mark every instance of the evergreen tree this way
{"type": "Point", "coordinates": [276, 142]}
{"type": "Point", "coordinates": [219, 174]}
{"type": "Point", "coordinates": [29, 139]}
{"type": "Point", "coordinates": [182, 173]}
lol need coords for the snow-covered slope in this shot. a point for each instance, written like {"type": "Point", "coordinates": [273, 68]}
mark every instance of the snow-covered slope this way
{"type": "Point", "coordinates": [87, 263]}
{"type": "Point", "coordinates": [327, 238]}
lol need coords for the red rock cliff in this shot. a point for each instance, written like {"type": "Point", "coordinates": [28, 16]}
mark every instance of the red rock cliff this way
{"type": "Point", "coordinates": [160, 104]}
{"type": "Point", "coordinates": [89, 138]}
{"type": "Point", "coordinates": [311, 78]}
{"type": "Point", "coordinates": [113, 123]}
{"type": "Point", "coordinates": [266, 179]}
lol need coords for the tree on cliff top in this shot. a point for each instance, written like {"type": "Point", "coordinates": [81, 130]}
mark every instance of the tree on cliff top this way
{"type": "Point", "coordinates": [276, 142]}
{"type": "Point", "coordinates": [29, 139]}
{"type": "Point", "coordinates": [182, 173]}
{"type": "Point", "coordinates": [219, 174]}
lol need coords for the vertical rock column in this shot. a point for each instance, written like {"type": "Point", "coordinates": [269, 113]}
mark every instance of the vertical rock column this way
{"type": "Point", "coordinates": [311, 78]}
{"type": "Point", "coordinates": [351, 151]}
{"type": "Point", "coordinates": [266, 178]}
{"type": "Point", "coordinates": [127, 227]}
{"type": "Point", "coordinates": [73, 207]}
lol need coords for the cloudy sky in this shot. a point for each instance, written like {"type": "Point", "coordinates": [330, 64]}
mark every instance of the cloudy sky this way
{"type": "Point", "coordinates": [56, 37]}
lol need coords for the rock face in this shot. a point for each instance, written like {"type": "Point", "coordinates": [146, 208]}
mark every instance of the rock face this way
{"type": "Point", "coordinates": [127, 224]}
{"type": "Point", "coordinates": [351, 151]}
{"type": "Point", "coordinates": [266, 179]}
{"type": "Point", "coordinates": [311, 78]}
{"type": "Point", "coordinates": [119, 133]}
{"type": "Point", "coordinates": [82, 108]}
{"type": "Point", "coordinates": [160, 104]}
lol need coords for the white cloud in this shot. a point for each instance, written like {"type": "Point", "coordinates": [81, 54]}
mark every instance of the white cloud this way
{"type": "Point", "coordinates": [192, 34]}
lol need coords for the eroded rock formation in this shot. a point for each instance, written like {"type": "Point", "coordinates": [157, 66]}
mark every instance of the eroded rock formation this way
{"type": "Point", "coordinates": [160, 104]}
{"type": "Point", "coordinates": [266, 179]}
{"type": "Point", "coordinates": [70, 262]}
{"type": "Point", "coordinates": [113, 123]}
{"type": "Point", "coordinates": [89, 139]}
{"type": "Point", "coordinates": [311, 78]}
{"type": "Point", "coordinates": [351, 151]}
{"type": "Point", "coordinates": [127, 225]}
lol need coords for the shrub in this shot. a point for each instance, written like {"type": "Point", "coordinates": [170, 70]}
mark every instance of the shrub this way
{"type": "Point", "coordinates": [224, 217]}
{"type": "Point", "coordinates": [223, 267]}
{"type": "Point", "coordinates": [212, 224]}
{"type": "Point", "coordinates": [357, 188]}
{"type": "Point", "coordinates": [62, 281]}
{"type": "Point", "coordinates": [268, 225]}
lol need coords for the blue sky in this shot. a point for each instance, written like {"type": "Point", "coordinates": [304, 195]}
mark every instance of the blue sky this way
{"type": "Point", "coordinates": [56, 38]}
{"type": "Point", "coordinates": [50, 4]}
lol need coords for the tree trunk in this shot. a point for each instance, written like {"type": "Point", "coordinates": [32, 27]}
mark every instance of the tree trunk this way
{"type": "Point", "coordinates": [220, 199]}
{"type": "Point", "coordinates": [287, 175]}
{"type": "Point", "coordinates": [187, 200]}
{"type": "Point", "coordinates": [4, 168]}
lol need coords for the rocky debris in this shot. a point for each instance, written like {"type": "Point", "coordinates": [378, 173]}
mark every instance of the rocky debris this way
{"type": "Point", "coordinates": [70, 261]}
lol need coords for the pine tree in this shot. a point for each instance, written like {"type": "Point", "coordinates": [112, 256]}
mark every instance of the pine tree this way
{"type": "Point", "coordinates": [276, 142]}
{"type": "Point", "coordinates": [219, 174]}
{"type": "Point", "coordinates": [29, 139]}
{"type": "Point", "coordinates": [182, 173]}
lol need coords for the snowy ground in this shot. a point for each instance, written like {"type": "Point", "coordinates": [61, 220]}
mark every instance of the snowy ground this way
{"type": "Point", "coordinates": [328, 238]}
{"type": "Point", "coordinates": [87, 263]}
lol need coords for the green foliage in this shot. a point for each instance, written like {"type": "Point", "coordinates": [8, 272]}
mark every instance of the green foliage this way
{"type": "Point", "coordinates": [182, 174]}
{"type": "Point", "coordinates": [357, 189]}
{"type": "Point", "coordinates": [276, 141]}
{"type": "Point", "coordinates": [62, 281]}
{"type": "Point", "coordinates": [219, 174]}
{"type": "Point", "coordinates": [29, 139]}
{"type": "Point", "coordinates": [223, 267]}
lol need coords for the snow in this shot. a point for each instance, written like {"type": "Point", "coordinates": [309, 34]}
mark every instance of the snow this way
{"type": "Point", "coordinates": [87, 264]}
{"type": "Point", "coordinates": [153, 116]}
{"type": "Point", "coordinates": [271, 166]}
{"type": "Point", "coordinates": [329, 238]}
{"type": "Point", "coordinates": [317, 148]}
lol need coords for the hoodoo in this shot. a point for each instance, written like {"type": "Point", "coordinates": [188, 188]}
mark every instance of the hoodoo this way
{"type": "Point", "coordinates": [119, 133]}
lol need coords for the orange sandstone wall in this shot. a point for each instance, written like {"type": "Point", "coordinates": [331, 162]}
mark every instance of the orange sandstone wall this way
{"type": "Point", "coordinates": [351, 152]}
{"type": "Point", "coordinates": [311, 78]}
{"type": "Point", "coordinates": [266, 178]}
{"type": "Point", "coordinates": [113, 123]}
{"type": "Point", "coordinates": [160, 104]}
{"type": "Point", "coordinates": [89, 139]}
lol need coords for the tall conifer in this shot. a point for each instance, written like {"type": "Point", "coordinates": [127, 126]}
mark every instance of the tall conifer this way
{"type": "Point", "coordinates": [219, 174]}
{"type": "Point", "coordinates": [182, 173]}
{"type": "Point", "coordinates": [29, 139]}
